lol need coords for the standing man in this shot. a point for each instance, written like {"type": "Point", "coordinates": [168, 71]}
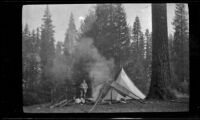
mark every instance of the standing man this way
{"type": "Point", "coordinates": [83, 89]}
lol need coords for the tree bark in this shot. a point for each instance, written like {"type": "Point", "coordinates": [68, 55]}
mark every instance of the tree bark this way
{"type": "Point", "coordinates": [160, 55]}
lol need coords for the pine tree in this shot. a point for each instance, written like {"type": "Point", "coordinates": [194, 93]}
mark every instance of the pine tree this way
{"type": "Point", "coordinates": [105, 38]}
{"type": "Point", "coordinates": [25, 38]}
{"type": "Point", "coordinates": [181, 43]}
{"type": "Point", "coordinates": [160, 54]}
{"type": "Point", "coordinates": [111, 34]}
{"type": "Point", "coordinates": [87, 27]}
{"type": "Point", "coordinates": [47, 51]}
{"type": "Point", "coordinates": [148, 45]}
{"type": "Point", "coordinates": [136, 68]}
{"type": "Point", "coordinates": [30, 61]}
{"type": "Point", "coordinates": [25, 45]}
{"type": "Point", "coordinates": [136, 34]}
{"type": "Point", "coordinates": [31, 66]}
{"type": "Point", "coordinates": [59, 48]}
{"type": "Point", "coordinates": [33, 62]}
{"type": "Point", "coordinates": [137, 51]}
{"type": "Point", "coordinates": [37, 54]}
{"type": "Point", "coordinates": [141, 48]}
{"type": "Point", "coordinates": [70, 37]}
{"type": "Point", "coordinates": [123, 40]}
{"type": "Point", "coordinates": [148, 54]}
{"type": "Point", "coordinates": [38, 40]}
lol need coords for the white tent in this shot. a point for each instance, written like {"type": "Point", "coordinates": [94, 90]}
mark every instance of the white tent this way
{"type": "Point", "coordinates": [122, 87]}
{"type": "Point", "coordinates": [125, 81]}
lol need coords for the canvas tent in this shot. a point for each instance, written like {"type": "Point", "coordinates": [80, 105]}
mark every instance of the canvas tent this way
{"type": "Point", "coordinates": [122, 87]}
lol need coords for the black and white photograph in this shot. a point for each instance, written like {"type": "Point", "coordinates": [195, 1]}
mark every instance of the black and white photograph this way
{"type": "Point", "coordinates": [105, 58]}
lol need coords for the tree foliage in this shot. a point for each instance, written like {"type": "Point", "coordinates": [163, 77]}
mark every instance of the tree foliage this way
{"type": "Point", "coordinates": [180, 49]}
{"type": "Point", "coordinates": [148, 54]}
{"type": "Point", "coordinates": [136, 34]}
{"type": "Point", "coordinates": [112, 34]}
{"type": "Point", "coordinates": [47, 51]}
{"type": "Point", "coordinates": [136, 65]}
{"type": "Point", "coordinates": [87, 26]}
{"type": "Point", "coordinates": [181, 43]}
{"type": "Point", "coordinates": [31, 65]}
{"type": "Point", "coordinates": [71, 36]}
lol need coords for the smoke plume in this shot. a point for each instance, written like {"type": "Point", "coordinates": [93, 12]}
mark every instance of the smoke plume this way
{"type": "Point", "coordinates": [61, 68]}
{"type": "Point", "coordinates": [99, 68]}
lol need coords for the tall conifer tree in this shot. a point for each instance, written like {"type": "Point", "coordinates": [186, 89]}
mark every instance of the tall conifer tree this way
{"type": "Point", "coordinates": [112, 33]}
{"type": "Point", "coordinates": [70, 37]}
{"type": "Point", "coordinates": [160, 55]}
{"type": "Point", "coordinates": [181, 43]}
{"type": "Point", "coordinates": [136, 34]}
{"type": "Point", "coordinates": [123, 40]}
{"type": "Point", "coordinates": [47, 51]}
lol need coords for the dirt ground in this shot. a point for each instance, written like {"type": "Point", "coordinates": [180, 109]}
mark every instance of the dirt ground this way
{"type": "Point", "coordinates": [134, 106]}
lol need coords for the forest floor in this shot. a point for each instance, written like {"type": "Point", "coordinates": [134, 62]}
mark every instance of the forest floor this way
{"type": "Point", "coordinates": [133, 106]}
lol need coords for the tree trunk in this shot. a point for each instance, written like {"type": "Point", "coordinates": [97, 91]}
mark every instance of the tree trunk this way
{"type": "Point", "coordinates": [160, 55]}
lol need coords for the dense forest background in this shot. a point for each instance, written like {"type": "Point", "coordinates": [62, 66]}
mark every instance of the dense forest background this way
{"type": "Point", "coordinates": [104, 44]}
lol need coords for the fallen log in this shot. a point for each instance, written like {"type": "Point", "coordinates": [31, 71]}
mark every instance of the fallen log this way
{"type": "Point", "coordinates": [57, 104]}
{"type": "Point", "coordinates": [67, 102]}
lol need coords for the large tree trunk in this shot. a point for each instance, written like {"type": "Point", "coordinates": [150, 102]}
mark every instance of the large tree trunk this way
{"type": "Point", "coordinates": [160, 54]}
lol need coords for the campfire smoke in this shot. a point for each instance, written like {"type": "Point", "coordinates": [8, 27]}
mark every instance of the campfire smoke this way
{"type": "Point", "coordinates": [99, 68]}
